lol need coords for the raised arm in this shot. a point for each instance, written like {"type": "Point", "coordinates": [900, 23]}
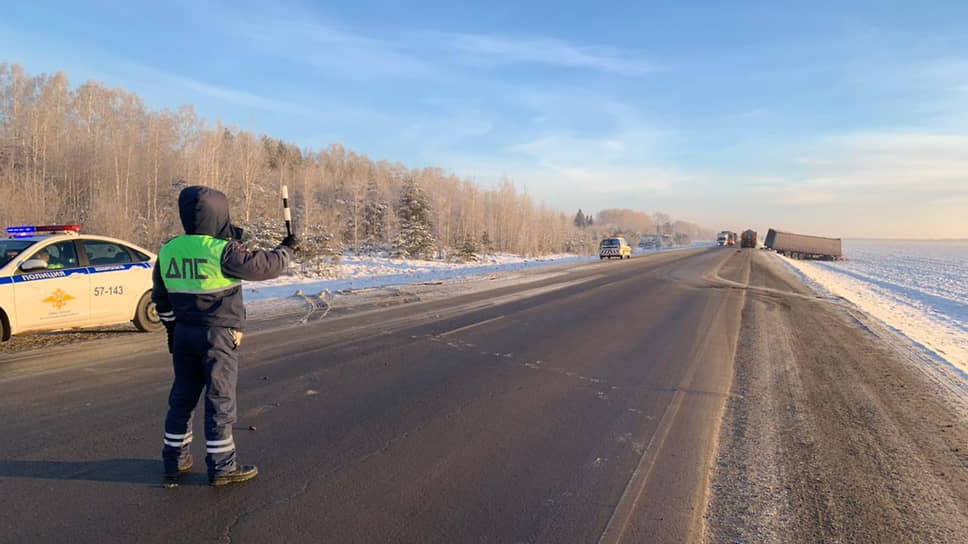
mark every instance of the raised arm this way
{"type": "Point", "coordinates": [255, 265]}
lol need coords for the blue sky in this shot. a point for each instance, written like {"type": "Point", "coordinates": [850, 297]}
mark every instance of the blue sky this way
{"type": "Point", "coordinates": [845, 120]}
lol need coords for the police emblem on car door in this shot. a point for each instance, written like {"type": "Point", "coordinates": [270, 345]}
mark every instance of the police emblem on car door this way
{"type": "Point", "coordinates": [51, 287]}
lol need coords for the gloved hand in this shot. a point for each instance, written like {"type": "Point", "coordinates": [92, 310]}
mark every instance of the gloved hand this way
{"type": "Point", "coordinates": [170, 331]}
{"type": "Point", "coordinates": [291, 242]}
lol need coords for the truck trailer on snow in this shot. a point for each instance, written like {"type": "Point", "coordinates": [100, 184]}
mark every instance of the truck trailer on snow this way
{"type": "Point", "coordinates": [803, 246]}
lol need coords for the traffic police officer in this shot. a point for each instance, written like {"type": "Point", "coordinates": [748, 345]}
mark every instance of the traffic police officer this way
{"type": "Point", "coordinates": [198, 294]}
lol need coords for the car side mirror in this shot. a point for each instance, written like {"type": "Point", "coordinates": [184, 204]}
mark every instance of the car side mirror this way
{"type": "Point", "coordinates": [33, 264]}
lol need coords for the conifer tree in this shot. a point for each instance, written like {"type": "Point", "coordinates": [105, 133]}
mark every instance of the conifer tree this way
{"type": "Point", "coordinates": [374, 217]}
{"type": "Point", "coordinates": [580, 220]}
{"type": "Point", "coordinates": [416, 238]}
{"type": "Point", "coordinates": [469, 249]}
{"type": "Point", "coordinates": [486, 242]}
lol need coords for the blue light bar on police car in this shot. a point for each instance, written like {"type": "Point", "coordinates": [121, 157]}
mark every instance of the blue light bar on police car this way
{"type": "Point", "coordinates": [22, 229]}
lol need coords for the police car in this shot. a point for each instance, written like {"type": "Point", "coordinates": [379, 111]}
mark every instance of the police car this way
{"type": "Point", "coordinates": [614, 246]}
{"type": "Point", "coordinates": [53, 277]}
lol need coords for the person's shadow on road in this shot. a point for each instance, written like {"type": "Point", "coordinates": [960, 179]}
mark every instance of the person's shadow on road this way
{"type": "Point", "coordinates": [133, 471]}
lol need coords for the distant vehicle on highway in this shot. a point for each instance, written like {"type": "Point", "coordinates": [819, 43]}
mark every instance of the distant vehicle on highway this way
{"type": "Point", "coordinates": [614, 246]}
{"type": "Point", "coordinates": [748, 238]}
{"type": "Point", "coordinates": [727, 238]}
{"type": "Point", "coordinates": [52, 277]}
{"type": "Point", "coordinates": [650, 241]}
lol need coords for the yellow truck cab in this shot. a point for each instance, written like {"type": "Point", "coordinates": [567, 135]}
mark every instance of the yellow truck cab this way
{"type": "Point", "coordinates": [52, 277]}
{"type": "Point", "coordinates": [614, 246]}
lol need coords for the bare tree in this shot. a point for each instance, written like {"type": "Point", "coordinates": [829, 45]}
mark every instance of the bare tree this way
{"type": "Point", "coordinates": [100, 156]}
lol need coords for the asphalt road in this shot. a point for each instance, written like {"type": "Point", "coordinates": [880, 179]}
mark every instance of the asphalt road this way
{"type": "Point", "coordinates": [837, 429]}
{"type": "Point", "coordinates": [584, 406]}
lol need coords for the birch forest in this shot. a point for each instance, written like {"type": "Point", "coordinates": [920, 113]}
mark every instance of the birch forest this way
{"type": "Point", "coordinates": [98, 156]}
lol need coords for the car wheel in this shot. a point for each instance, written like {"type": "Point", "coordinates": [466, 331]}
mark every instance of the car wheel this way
{"type": "Point", "coordinates": [4, 327]}
{"type": "Point", "coordinates": [146, 316]}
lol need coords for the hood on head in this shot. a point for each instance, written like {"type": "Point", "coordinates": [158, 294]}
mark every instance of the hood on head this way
{"type": "Point", "coordinates": [204, 211]}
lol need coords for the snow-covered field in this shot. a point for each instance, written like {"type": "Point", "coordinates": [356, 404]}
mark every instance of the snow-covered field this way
{"type": "Point", "coordinates": [919, 288]}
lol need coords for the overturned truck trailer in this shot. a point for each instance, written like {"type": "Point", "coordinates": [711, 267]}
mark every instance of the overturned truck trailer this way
{"type": "Point", "coordinates": [802, 246]}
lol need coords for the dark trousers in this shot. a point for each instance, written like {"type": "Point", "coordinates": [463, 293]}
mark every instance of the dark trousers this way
{"type": "Point", "coordinates": [204, 358]}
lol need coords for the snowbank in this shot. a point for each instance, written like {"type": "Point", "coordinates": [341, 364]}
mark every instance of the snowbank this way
{"type": "Point", "coordinates": [918, 288]}
{"type": "Point", "coordinates": [358, 272]}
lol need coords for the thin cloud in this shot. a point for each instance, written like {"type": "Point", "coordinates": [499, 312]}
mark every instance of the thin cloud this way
{"type": "Point", "coordinates": [241, 98]}
{"type": "Point", "coordinates": [146, 76]}
{"type": "Point", "coordinates": [797, 195]}
{"type": "Point", "coordinates": [352, 54]}
{"type": "Point", "coordinates": [334, 50]}
{"type": "Point", "coordinates": [493, 49]}
{"type": "Point", "coordinates": [912, 161]}
{"type": "Point", "coordinates": [299, 33]}
{"type": "Point", "coordinates": [566, 150]}
{"type": "Point", "coordinates": [887, 183]}
{"type": "Point", "coordinates": [609, 165]}
{"type": "Point", "coordinates": [155, 78]}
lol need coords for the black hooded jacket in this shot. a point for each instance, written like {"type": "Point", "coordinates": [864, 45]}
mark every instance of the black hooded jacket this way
{"type": "Point", "coordinates": [206, 211]}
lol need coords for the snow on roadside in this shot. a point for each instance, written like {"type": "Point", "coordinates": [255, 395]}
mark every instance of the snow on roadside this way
{"type": "Point", "coordinates": [361, 272]}
{"type": "Point", "coordinates": [918, 288]}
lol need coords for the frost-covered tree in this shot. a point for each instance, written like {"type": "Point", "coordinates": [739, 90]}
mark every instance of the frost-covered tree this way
{"type": "Point", "coordinates": [486, 244]}
{"type": "Point", "coordinates": [416, 237]}
{"type": "Point", "coordinates": [580, 220]}
{"type": "Point", "coordinates": [101, 157]}
{"type": "Point", "coordinates": [469, 249]}
{"type": "Point", "coordinates": [374, 217]}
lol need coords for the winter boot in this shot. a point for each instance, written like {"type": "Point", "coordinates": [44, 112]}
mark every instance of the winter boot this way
{"type": "Point", "coordinates": [242, 473]}
{"type": "Point", "coordinates": [171, 478]}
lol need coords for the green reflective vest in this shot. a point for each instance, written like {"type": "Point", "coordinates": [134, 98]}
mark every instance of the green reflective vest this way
{"type": "Point", "coordinates": [192, 263]}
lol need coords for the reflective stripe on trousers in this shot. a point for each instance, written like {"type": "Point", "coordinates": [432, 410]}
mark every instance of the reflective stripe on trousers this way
{"type": "Point", "coordinates": [204, 360]}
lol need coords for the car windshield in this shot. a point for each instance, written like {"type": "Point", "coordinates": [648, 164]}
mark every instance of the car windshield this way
{"type": "Point", "coordinates": [9, 249]}
{"type": "Point", "coordinates": [611, 242]}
